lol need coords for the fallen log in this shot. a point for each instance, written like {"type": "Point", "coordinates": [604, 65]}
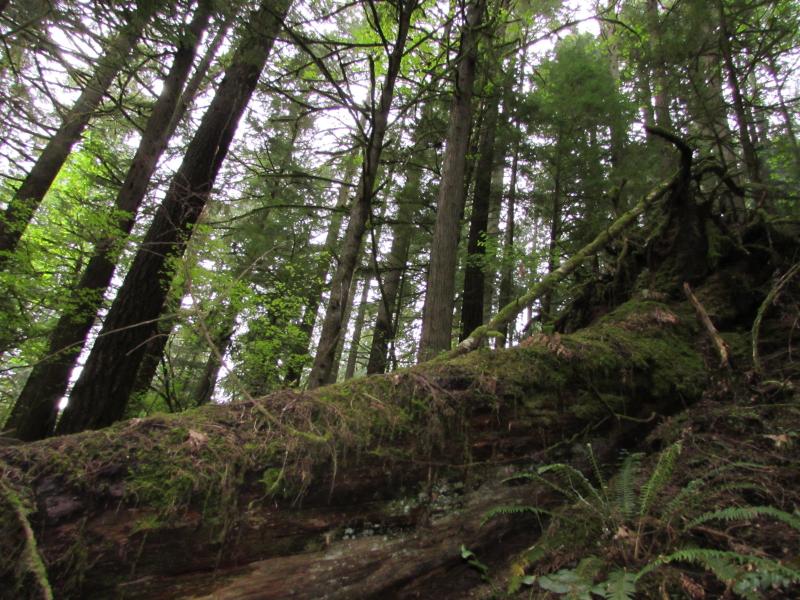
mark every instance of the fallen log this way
{"type": "Point", "coordinates": [243, 494]}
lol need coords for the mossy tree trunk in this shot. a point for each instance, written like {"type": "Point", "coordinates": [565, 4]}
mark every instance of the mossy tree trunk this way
{"type": "Point", "coordinates": [262, 491]}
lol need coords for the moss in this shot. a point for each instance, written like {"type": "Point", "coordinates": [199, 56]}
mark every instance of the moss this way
{"type": "Point", "coordinates": [277, 447]}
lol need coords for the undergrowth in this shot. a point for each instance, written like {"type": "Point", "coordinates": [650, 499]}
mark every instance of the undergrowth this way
{"type": "Point", "coordinates": [712, 515]}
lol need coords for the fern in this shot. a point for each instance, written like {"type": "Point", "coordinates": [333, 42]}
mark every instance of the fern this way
{"type": "Point", "coordinates": [661, 475]}
{"type": "Point", "coordinates": [536, 477]}
{"type": "Point", "coordinates": [572, 475]}
{"type": "Point", "coordinates": [748, 574]}
{"type": "Point", "coordinates": [745, 513]}
{"type": "Point", "coordinates": [500, 511]}
{"type": "Point", "coordinates": [624, 485]}
{"type": "Point", "coordinates": [601, 482]}
{"type": "Point", "coordinates": [684, 498]}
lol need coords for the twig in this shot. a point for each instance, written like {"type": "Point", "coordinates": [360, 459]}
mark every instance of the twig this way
{"type": "Point", "coordinates": [705, 320]}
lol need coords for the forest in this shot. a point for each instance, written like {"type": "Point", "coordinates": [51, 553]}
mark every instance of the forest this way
{"type": "Point", "coordinates": [399, 299]}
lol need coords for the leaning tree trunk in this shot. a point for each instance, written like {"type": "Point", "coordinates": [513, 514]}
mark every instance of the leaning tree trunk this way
{"type": "Point", "coordinates": [36, 408]}
{"type": "Point", "coordinates": [101, 394]}
{"type": "Point", "coordinates": [29, 195]}
{"type": "Point", "coordinates": [262, 491]}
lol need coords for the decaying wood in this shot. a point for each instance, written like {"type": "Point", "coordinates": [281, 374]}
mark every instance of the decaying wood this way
{"type": "Point", "coordinates": [232, 497]}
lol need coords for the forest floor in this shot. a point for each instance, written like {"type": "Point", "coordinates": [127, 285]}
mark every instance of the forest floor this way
{"type": "Point", "coordinates": [718, 471]}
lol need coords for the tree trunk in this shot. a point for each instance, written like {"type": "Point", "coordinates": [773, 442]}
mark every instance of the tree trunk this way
{"type": "Point", "coordinates": [347, 314]}
{"type": "Point", "coordinates": [788, 121]}
{"type": "Point", "coordinates": [748, 147]}
{"type": "Point", "coordinates": [101, 393]}
{"type": "Point", "coordinates": [662, 99]}
{"type": "Point", "coordinates": [472, 307]}
{"type": "Point", "coordinates": [386, 327]}
{"type": "Point", "coordinates": [155, 345]}
{"type": "Point", "coordinates": [320, 277]}
{"type": "Point", "coordinates": [29, 195]}
{"type": "Point", "coordinates": [553, 254]}
{"type": "Point", "coordinates": [359, 214]}
{"type": "Point", "coordinates": [608, 33]}
{"type": "Point", "coordinates": [358, 327]}
{"type": "Point", "coordinates": [220, 343]}
{"type": "Point", "coordinates": [437, 315]}
{"type": "Point", "coordinates": [36, 408]}
{"type": "Point", "coordinates": [509, 256]}
{"type": "Point", "coordinates": [262, 497]}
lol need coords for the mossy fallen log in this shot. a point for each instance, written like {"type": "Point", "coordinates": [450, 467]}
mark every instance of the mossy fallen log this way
{"type": "Point", "coordinates": [137, 505]}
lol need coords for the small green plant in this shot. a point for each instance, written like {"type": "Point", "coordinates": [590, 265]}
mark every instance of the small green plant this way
{"type": "Point", "coordinates": [472, 561]}
{"type": "Point", "coordinates": [635, 524]}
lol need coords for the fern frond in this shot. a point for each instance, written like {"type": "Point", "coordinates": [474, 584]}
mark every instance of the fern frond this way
{"type": "Point", "coordinates": [684, 498]}
{"type": "Point", "coordinates": [601, 482]}
{"type": "Point", "coordinates": [723, 563]}
{"type": "Point", "coordinates": [522, 475]}
{"type": "Point", "coordinates": [536, 477]}
{"type": "Point", "coordinates": [739, 486]}
{"type": "Point", "coordinates": [745, 513]}
{"type": "Point", "coordinates": [502, 511]}
{"type": "Point", "coordinates": [739, 464]}
{"type": "Point", "coordinates": [661, 475]}
{"type": "Point", "coordinates": [571, 475]}
{"type": "Point", "coordinates": [624, 485]}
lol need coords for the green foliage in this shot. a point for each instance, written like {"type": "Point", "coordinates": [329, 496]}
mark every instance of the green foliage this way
{"type": "Point", "coordinates": [473, 562]}
{"type": "Point", "coordinates": [632, 513]}
{"type": "Point", "coordinates": [500, 511]}
{"type": "Point", "coordinates": [746, 513]}
{"type": "Point", "coordinates": [747, 575]}
{"type": "Point", "coordinates": [659, 478]}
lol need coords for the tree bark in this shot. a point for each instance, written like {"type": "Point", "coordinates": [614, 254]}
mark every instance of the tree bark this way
{"type": "Point", "coordinates": [252, 487]}
{"type": "Point", "coordinates": [385, 326]}
{"type": "Point", "coordinates": [101, 394]}
{"type": "Point", "coordinates": [553, 254]}
{"type": "Point", "coordinates": [509, 256]}
{"type": "Point", "coordinates": [359, 214]}
{"type": "Point", "coordinates": [358, 327]}
{"type": "Point", "coordinates": [320, 277]}
{"type": "Point", "coordinates": [437, 315]}
{"type": "Point", "coordinates": [220, 343]}
{"type": "Point", "coordinates": [29, 195]}
{"type": "Point", "coordinates": [474, 276]}
{"type": "Point", "coordinates": [36, 408]}
{"type": "Point", "coordinates": [662, 99]}
{"type": "Point", "coordinates": [742, 123]}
